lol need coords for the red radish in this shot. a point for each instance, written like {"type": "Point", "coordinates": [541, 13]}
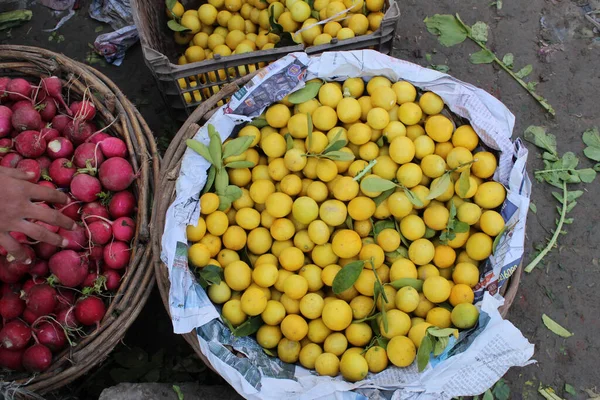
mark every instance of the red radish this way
{"type": "Point", "coordinates": [113, 279]}
{"type": "Point", "coordinates": [37, 358]}
{"type": "Point", "coordinates": [31, 283]}
{"type": "Point", "coordinates": [90, 280]}
{"type": "Point", "coordinates": [98, 137]}
{"type": "Point", "coordinates": [11, 160]}
{"type": "Point", "coordinates": [3, 84]}
{"type": "Point", "coordinates": [47, 109]}
{"type": "Point", "coordinates": [5, 112]}
{"type": "Point", "coordinates": [123, 229]}
{"type": "Point", "coordinates": [85, 187]}
{"type": "Point", "coordinates": [11, 306]}
{"type": "Point", "coordinates": [19, 89]}
{"type": "Point", "coordinates": [90, 310]}
{"type": "Point", "coordinates": [22, 104]}
{"type": "Point", "coordinates": [41, 299]}
{"type": "Point", "coordinates": [89, 210]}
{"type": "Point", "coordinates": [5, 121]}
{"type": "Point", "coordinates": [15, 335]}
{"type": "Point", "coordinates": [53, 86]}
{"type": "Point", "coordinates": [116, 174]}
{"type": "Point", "coordinates": [113, 147]}
{"type": "Point", "coordinates": [5, 146]}
{"type": "Point", "coordinates": [60, 147]}
{"type": "Point", "coordinates": [83, 110]}
{"type": "Point", "coordinates": [97, 253]}
{"type": "Point", "coordinates": [51, 335]}
{"type": "Point", "coordinates": [61, 172]}
{"type": "Point", "coordinates": [45, 250]}
{"type": "Point", "coordinates": [100, 232]}
{"type": "Point", "coordinates": [44, 163]}
{"type": "Point", "coordinates": [49, 134]}
{"type": "Point", "coordinates": [29, 317]}
{"type": "Point", "coordinates": [13, 271]}
{"type": "Point", "coordinates": [67, 318]}
{"type": "Point", "coordinates": [30, 144]}
{"type": "Point", "coordinates": [47, 184]}
{"type": "Point", "coordinates": [88, 153]}
{"type": "Point", "coordinates": [76, 238]}
{"type": "Point", "coordinates": [24, 119]}
{"type": "Point", "coordinates": [11, 359]}
{"type": "Point", "coordinates": [122, 204]}
{"type": "Point", "coordinates": [71, 210]}
{"type": "Point", "coordinates": [31, 166]}
{"type": "Point", "coordinates": [116, 255]}
{"type": "Point", "coordinates": [65, 298]}
{"type": "Point", "coordinates": [78, 132]}
{"type": "Point", "coordinates": [9, 288]}
{"type": "Point", "coordinates": [60, 121]}
{"type": "Point", "coordinates": [39, 269]}
{"type": "Point", "coordinates": [69, 267]}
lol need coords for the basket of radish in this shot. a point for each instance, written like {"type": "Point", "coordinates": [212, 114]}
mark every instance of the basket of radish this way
{"type": "Point", "coordinates": [74, 279]}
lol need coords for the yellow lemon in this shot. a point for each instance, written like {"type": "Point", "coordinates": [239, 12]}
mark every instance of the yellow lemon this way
{"type": "Point", "coordinates": [401, 350]}
{"type": "Point", "coordinates": [431, 103]}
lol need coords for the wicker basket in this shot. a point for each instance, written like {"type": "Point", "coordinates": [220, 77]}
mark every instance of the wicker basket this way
{"type": "Point", "coordinates": [34, 63]}
{"type": "Point", "coordinates": [160, 49]}
{"type": "Point", "coordinates": [171, 164]}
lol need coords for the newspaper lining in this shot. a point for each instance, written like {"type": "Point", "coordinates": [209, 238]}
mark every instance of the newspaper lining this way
{"type": "Point", "coordinates": [478, 358]}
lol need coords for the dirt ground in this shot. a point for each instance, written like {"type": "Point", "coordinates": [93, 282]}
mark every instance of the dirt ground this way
{"type": "Point", "coordinates": [551, 35]}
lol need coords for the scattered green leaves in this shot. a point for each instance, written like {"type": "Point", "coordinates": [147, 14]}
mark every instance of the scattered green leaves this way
{"type": "Point", "coordinates": [501, 390]}
{"type": "Point", "coordinates": [209, 275]}
{"type": "Point", "coordinates": [532, 207]}
{"type": "Point", "coordinates": [250, 326]}
{"type": "Point", "coordinates": [451, 30]}
{"type": "Point", "coordinates": [508, 60]}
{"type": "Point", "coordinates": [570, 389]}
{"type": "Point", "coordinates": [308, 92]}
{"type": "Point", "coordinates": [453, 227]}
{"type": "Point", "coordinates": [237, 146]}
{"type": "Point", "coordinates": [440, 186]}
{"type": "Point", "coordinates": [10, 19]}
{"type": "Point", "coordinates": [482, 57]}
{"type": "Point", "coordinates": [555, 327]}
{"type": "Point", "coordinates": [377, 184]}
{"type": "Point", "coordinates": [178, 392]}
{"type": "Point", "coordinates": [591, 138]}
{"type": "Point", "coordinates": [438, 67]}
{"type": "Point", "coordinates": [347, 276]}
{"type": "Point", "coordinates": [548, 393]}
{"type": "Point", "coordinates": [558, 172]}
{"type": "Point", "coordinates": [176, 26]}
{"type": "Point", "coordinates": [436, 340]}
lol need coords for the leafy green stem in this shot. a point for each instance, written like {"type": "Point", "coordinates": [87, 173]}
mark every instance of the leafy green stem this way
{"type": "Point", "coordinates": [557, 232]}
{"type": "Point", "coordinates": [364, 171]}
{"type": "Point", "coordinates": [520, 81]}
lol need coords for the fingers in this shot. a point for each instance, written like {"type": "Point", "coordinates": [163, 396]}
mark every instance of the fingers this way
{"type": "Point", "coordinates": [37, 232]}
{"type": "Point", "coordinates": [42, 193]}
{"type": "Point", "coordinates": [16, 173]}
{"type": "Point", "coordinates": [50, 216]}
{"type": "Point", "coordinates": [13, 248]}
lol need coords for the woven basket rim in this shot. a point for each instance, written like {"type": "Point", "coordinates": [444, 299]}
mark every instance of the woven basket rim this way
{"type": "Point", "coordinates": [137, 283]}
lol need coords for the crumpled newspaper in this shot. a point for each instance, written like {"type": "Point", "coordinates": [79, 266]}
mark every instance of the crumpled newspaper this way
{"type": "Point", "coordinates": [116, 13]}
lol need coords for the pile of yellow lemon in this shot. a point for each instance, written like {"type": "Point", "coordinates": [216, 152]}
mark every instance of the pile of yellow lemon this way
{"type": "Point", "coordinates": [303, 217]}
{"type": "Point", "coordinates": [227, 27]}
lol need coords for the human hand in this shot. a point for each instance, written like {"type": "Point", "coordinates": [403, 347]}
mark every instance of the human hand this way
{"type": "Point", "coordinates": [17, 207]}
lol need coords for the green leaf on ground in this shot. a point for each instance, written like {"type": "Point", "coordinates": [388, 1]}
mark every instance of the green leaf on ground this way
{"type": "Point", "coordinates": [488, 395]}
{"type": "Point", "coordinates": [570, 389]}
{"type": "Point", "coordinates": [533, 207]}
{"type": "Point", "coordinates": [482, 57]}
{"type": "Point", "coordinates": [591, 138]}
{"type": "Point", "coordinates": [479, 31]}
{"type": "Point", "coordinates": [523, 72]}
{"type": "Point", "coordinates": [501, 391]}
{"type": "Point", "coordinates": [508, 60]}
{"type": "Point", "coordinates": [447, 28]}
{"type": "Point", "coordinates": [178, 392]}
{"type": "Point", "coordinates": [555, 327]}
{"type": "Point", "coordinates": [538, 136]}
